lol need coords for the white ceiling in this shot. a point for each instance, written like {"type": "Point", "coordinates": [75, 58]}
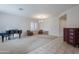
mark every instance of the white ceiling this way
{"type": "Point", "coordinates": [32, 9]}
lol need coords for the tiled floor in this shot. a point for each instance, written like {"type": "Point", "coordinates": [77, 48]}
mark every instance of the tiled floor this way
{"type": "Point", "coordinates": [39, 44]}
{"type": "Point", "coordinates": [57, 46]}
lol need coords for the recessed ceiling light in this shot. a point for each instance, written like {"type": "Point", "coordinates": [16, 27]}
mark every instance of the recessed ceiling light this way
{"type": "Point", "coordinates": [21, 9]}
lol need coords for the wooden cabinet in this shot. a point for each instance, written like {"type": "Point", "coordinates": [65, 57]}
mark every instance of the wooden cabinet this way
{"type": "Point", "coordinates": [71, 36]}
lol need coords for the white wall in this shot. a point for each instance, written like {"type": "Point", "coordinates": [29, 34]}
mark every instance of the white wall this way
{"type": "Point", "coordinates": [51, 25]}
{"type": "Point", "coordinates": [9, 21]}
{"type": "Point", "coordinates": [54, 26]}
{"type": "Point", "coordinates": [72, 17]}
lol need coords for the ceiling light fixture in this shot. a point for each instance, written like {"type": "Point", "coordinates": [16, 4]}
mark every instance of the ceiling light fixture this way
{"type": "Point", "coordinates": [21, 9]}
{"type": "Point", "coordinates": [40, 16]}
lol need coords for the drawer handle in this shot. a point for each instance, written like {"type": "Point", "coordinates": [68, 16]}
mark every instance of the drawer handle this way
{"type": "Point", "coordinates": [71, 33]}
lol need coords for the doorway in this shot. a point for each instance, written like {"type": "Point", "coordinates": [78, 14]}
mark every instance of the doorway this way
{"type": "Point", "coordinates": [62, 24]}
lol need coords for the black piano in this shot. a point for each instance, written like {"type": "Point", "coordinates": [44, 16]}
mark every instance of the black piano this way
{"type": "Point", "coordinates": [4, 35]}
{"type": "Point", "coordinates": [8, 33]}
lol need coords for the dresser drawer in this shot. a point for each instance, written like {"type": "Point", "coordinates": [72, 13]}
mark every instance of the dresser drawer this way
{"type": "Point", "coordinates": [71, 37]}
{"type": "Point", "coordinates": [71, 41]}
{"type": "Point", "coordinates": [71, 30]}
{"type": "Point", "coordinates": [71, 33]}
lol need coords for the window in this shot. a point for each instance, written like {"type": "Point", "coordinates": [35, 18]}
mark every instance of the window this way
{"type": "Point", "coordinates": [34, 26]}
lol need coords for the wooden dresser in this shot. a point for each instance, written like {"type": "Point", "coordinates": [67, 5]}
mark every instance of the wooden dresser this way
{"type": "Point", "coordinates": [71, 36]}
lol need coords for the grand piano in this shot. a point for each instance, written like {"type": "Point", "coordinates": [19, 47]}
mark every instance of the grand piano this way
{"type": "Point", "coordinates": [8, 33]}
